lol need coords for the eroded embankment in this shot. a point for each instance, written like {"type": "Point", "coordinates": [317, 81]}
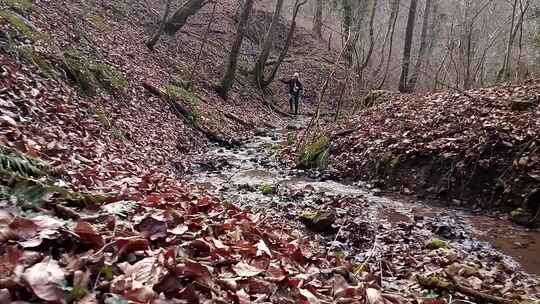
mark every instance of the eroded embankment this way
{"type": "Point", "coordinates": [478, 149]}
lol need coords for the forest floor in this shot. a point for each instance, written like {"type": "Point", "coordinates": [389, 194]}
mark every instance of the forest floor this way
{"type": "Point", "coordinates": [107, 196]}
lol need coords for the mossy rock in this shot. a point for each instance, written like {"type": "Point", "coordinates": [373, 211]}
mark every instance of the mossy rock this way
{"type": "Point", "coordinates": [375, 97]}
{"type": "Point", "coordinates": [20, 25]}
{"type": "Point", "coordinates": [319, 221]}
{"type": "Point", "coordinates": [20, 5]}
{"type": "Point", "coordinates": [178, 92]}
{"type": "Point", "coordinates": [78, 69]}
{"type": "Point", "coordinates": [109, 77]}
{"type": "Point", "coordinates": [267, 189]}
{"type": "Point", "coordinates": [435, 244]}
{"type": "Point", "coordinates": [316, 153]}
{"type": "Point", "coordinates": [31, 56]}
{"type": "Point", "coordinates": [97, 20]}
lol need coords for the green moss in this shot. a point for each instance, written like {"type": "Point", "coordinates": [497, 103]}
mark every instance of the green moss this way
{"type": "Point", "coordinates": [31, 56]}
{"type": "Point", "coordinates": [267, 189]}
{"type": "Point", "coordinates": [21, 5]}
{"type": "Point", "coordinates": [118, 134]}
{"type": "Point", "coordinates": [109, 77]}
{"type": "Point", "coordinates": [177, 92]}
{"type": "Point", "coordinates": [96, 20]}
{"type": "Point", "coordinates": [518, 213]}
{"type": "Point", "coordinates": [78, 69]}
{"type": "Point", "coordinates": [437, 244]}
{"type": "Point", "coordinates": [20, 25]}
{"type": "Point", "coordinates": [316, 153]}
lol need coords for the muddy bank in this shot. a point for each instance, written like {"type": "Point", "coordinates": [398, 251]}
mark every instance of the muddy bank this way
{"type": "Point", "coordinates": [475, 150]}
{"type": "Point", "coordinates": [388, 239]}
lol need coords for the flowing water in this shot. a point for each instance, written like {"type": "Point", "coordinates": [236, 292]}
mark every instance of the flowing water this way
{"type": "Point", "coordinates": [238, 175]}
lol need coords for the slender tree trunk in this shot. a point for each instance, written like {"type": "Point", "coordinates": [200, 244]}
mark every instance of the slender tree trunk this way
{"type": "Point", "coordinates": [267, 45]}
{"type": "Point", "coordinates": [203, 44]}
{"type": "Point", "coordinates": [230, 68]}
{"type": "Point", "coordinates": [433, 31]}
{"type": "Point", "coordinates": [152, 42]}
{"type": "Point", "coordinates": [385, 41]}
{"type": "Point", "coordinates": [317, 20]}
{"type": "Point", "coordinates": [395, 12]}
{"type": "Point", "coordinates": [180, 17]}
{"type": "Point", "coordinates": [505, 70]}
{"type": "Point", "coordinates": [283, 53]}
{"type": "Point", "coordinates": [409, 31]}
{"type": "Point", "coordinates": [367, 58]}
{"type": "Point", "coordinates": [423, 46]}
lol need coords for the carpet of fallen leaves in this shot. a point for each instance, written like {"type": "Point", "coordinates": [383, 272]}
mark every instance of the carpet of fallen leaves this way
{"type": "Point", "coordinates": [151, 239]}
{"type": "Point", "coordinates": [473, 147]}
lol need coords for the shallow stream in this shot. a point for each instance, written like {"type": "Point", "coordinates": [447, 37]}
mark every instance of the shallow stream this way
{"type": "Point", "coordinates": [239, 175]}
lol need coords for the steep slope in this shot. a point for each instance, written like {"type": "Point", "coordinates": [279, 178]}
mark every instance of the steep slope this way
{"type": "Point", "coordinates": [476, 149]}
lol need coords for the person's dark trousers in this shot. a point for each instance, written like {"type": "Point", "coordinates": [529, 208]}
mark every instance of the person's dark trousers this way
{"type": "Point", "coordinates": [293, 103]}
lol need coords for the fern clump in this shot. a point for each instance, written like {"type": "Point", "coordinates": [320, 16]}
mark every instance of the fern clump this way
{"type": "Point", "coordinates": [11, 161]}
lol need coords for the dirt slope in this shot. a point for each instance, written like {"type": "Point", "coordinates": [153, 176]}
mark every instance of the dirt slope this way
{"type": "Point", "coordinates": [477, 149]}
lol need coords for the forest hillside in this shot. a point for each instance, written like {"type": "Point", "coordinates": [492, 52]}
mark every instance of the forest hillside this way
{"type": "Point", "coordinates": [151, 151]}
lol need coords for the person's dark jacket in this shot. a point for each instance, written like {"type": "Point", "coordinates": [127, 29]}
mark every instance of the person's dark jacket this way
{"type": "Point", "coordinates": [294, 83]}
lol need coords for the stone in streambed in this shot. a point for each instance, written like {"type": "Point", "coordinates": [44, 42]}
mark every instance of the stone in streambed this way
{"type": "Point", "coordinates": [319, 221]}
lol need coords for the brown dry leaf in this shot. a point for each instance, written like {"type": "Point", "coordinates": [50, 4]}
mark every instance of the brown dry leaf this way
{"type": "Point", "coordinates": [263, 249]}
{"type": "Point", "coordinates": [44, 280]}
{"type": "Point", "coordinates": [312, 299]}
{"type": "Point", "coordinates": [245, 270]}
{"type": "Point", "coordinates": [89, 235]}
{"type": "Point", "coordinates": [243, 297]}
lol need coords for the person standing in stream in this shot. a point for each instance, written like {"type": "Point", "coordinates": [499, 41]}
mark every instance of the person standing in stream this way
{"type": "Point", "coordinates": [296, 89]}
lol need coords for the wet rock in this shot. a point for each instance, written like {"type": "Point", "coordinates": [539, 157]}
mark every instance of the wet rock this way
{"type": "Point", "coordinates": [319, 221]}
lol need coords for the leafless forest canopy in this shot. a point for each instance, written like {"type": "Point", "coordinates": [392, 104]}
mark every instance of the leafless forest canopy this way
{"type": "Point", "coordinates": [456, 44]}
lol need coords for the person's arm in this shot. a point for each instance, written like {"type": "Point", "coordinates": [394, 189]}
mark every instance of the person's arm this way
{"type": "Point", "coordinates": [284, 81]}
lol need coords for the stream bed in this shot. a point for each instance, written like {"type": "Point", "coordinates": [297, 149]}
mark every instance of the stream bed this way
{"type": "Point", "coordinates": [254, 178]}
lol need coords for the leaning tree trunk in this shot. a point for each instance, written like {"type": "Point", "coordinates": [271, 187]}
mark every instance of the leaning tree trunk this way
{"type": "Point", "coordinates": [423, 46]}
{"type": "Point", "coordinates": [267, 45]}
{"type": "Point", "coordinates": [403, 82]}
{"type": "Point", "coordinates": [230, 69]}
{"type": "Point", "coordinates": [317, 20]}
{"type": "Point", "coordinates": [180, 17]}
{"type": "Point", "coordinates": [283, 53]}
{"type": "Point", "coordinates": [152, 42]}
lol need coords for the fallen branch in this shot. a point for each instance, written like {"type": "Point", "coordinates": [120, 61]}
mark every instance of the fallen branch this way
{"type": "Point", "coordinates": [187, 115]}
{"type": "Point", "coordinates": [435, 282]}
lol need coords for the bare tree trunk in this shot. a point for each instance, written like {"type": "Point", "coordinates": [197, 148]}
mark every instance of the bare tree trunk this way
{"type": "Point", "coordinates": [283, 53]}
{"type": "Point", "coordinates": [385, 41]}
{"type": "Point", "coordinates": [395, 13]}
{"type": "Point", "coordinates": [423, 46]}
{"type": "Point", "coordinates": [180, 17]}
{"type": "Point", "coordinates": [230, 69]}
{"type": "Point", "coordinates": [505, 71]}
{"type": "Point", "coordinates": [370, 49]}
{"type": "Point", "coordinates": [267, 45]}
{"type": "Point", "coordinates": [317, 20]}
{"type": "Point", "coordinates": [403, 82]}
{"type": "Point", "coordinates": [203, 44]}
{"type": "Point", "coordinates": [152, 42]}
